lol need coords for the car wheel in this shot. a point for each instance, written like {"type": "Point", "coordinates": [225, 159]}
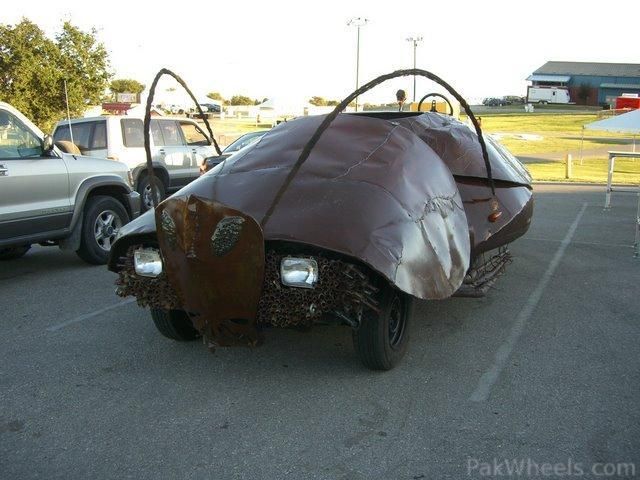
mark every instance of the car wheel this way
{"type": "Point", "coordinates": [11, 253]}
{"type": "Point", "coordinates": [103, 218]}
{"type": "Point", "coordinates": [174, 324]}
{"type": "Point", "coordinates": [382, 338]}
{"type": "Point", "coordinates": [144, 189]}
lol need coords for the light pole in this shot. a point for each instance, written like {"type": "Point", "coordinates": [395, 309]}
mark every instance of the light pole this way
{"type": "Point", "coordinates": [357, 22]}
{"type": "Point", "coordinates": [415, 41]}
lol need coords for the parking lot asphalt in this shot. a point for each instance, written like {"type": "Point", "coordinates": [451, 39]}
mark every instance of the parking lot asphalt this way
{"type": "Point", "coordinates": [545, 369]}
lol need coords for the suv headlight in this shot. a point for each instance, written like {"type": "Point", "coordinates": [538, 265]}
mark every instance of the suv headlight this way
{"type": "Point", "coordinates": [299, 272]}
{"type": "Point", "coordinates": [147, 262]}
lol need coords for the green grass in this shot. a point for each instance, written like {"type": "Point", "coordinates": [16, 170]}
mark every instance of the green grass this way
{"type": "Point", "coordinates": [561, 134]}
{"type": "Point", "coordinates": [592, 170]}
{"type": "Point", "coordinates": [536, 123]}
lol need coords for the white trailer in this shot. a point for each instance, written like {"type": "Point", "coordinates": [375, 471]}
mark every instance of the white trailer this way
{"type": "Point", "coordinates": [548, 95]}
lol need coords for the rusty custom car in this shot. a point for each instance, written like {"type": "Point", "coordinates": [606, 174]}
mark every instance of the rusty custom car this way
{"type": "Point", "coordinates": [346, 217]}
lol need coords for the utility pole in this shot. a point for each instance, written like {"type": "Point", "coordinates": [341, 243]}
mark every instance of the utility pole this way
{"type": "Point", "coordinates": [357, 22]}
{"type": "Point", "coordinates": [415, 41]}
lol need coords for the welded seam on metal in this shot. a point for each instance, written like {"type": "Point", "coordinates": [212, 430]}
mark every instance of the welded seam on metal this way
{"type": "Point", "coordinates": [147, 123]}
{"type": "Point", "coordinates": [368, 86]}
{"type": "Point", "coordinates": [490, 377]}
{"type": "Point", "coordinates": [368, 156]}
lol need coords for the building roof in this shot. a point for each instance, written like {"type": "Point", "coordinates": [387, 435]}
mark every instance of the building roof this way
{"type": "Point", "coordinates": [590, 68]}
{"type": "Point", "coordinates": [549, 78]}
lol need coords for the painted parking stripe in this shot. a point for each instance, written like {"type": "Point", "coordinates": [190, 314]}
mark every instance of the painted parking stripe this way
{"type": "Point", "coordinates": [88, 316]}
{"type": "Point", "coordinates": [595, 244]}
{"type": "Point", "coordinates": [490, 377]}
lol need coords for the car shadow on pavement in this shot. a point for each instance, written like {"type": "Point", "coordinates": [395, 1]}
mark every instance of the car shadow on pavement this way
{"type": "Point", "coordinates": [39, 260]}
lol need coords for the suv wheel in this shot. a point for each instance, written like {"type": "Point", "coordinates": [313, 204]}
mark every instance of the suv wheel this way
{"type": "Point", "coordinates": [103, 217]}
{"type": "Point", "coordinates": [382, 339]}
{"type": "Point", "coordinates": [144, 189]}
{"type": "Point", "coordinates": [10, 253]}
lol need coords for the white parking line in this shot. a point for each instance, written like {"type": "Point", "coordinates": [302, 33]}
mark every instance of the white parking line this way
{"type": "Point", "coordinates": [489, 378]}
{"type": "Point", "coordinates": [596, 244]}
{"type": "Point", "coordinates": [87, 316]}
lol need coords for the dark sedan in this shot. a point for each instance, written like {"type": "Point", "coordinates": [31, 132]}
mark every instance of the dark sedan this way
{"type": "Point", "coordinates": [238, 144]}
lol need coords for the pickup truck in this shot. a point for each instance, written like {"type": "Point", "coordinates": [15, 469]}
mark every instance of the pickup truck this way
{"type": "Point", "coordinates": [52, 195]}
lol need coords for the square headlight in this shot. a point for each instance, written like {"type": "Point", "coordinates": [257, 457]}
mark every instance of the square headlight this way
{"type": "Point", "coordinates": [299, 272]}
{"type": "Point", "coordinates": [147, 262]}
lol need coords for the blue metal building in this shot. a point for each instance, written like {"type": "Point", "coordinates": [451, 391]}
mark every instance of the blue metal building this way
{"type": "Point", "coordinates": [590, 83]}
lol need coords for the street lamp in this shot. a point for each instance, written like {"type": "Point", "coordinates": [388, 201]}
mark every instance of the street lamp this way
{"type": "Point", "coordinates": [415, 41]}
{"type": "Point", "coordinates": [357, 22]}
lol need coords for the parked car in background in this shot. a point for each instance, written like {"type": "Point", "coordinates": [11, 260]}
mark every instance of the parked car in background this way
{"type": "Point", "coordinates": [237, 145]}
{"type": "Point", "coordinates": [175, 109]}
{"type": "Point", "coordinates": [50, 197]}
{"type": "Point", "coordinates": [178, 147]}
{"type": "Point", "coordinates": [493, 102]}
{"type": "Point", "coordinates": [513, 100]}
{"type": "Point", "coordinates": [210, 107]}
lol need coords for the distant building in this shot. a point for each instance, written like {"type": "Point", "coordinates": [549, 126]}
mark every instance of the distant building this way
{"type": "Point", "coordinates": [590, 83]}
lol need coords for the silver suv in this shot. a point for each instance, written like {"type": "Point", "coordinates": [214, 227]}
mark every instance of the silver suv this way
{"type": "Point", "coordinates": [178, 148]}
{"type": "Point", "coordinates": [53, 198]}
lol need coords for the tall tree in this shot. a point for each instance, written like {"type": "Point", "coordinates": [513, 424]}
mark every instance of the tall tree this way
{"type": "Point", "coordinates": [126, 85]}
{"type": "Point", "coordinates": [30, 79]}
{"type": "Point", "coordinates": [241, 100]}
{"type": "Point", "coordinates": [85, 63]}
{"type": "Point", "coordinates": [33, 70]}
{"type": "Point", "coordinates": [318, 101]}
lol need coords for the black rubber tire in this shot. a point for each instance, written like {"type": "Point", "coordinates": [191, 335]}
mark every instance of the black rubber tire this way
{"type": "Point", "coordinates": [145, 183]}
{"type": "Point", "coordinates": [372, 339]}
{"type": "Point", "coordinates": [11, 253]}
{"type": "Point", "coordinates": [90, 251]}
{"type": "Point", "coordinates": [174, 324]}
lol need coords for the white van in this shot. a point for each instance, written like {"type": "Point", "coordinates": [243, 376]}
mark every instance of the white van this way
{"type": "Point", "coordinates": [548, 95]}
{"type": "Point", "coordinates": [178, 147]}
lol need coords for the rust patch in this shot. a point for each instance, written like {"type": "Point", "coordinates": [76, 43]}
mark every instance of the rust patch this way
{"type": "Point", "coordinates": [220, 292]}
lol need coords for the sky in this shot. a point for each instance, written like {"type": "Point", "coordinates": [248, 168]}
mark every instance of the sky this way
{"type": "Point", "coordinates": [297, 49]}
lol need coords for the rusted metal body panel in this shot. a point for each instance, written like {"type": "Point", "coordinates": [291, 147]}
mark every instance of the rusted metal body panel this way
{"type": "Point", "coordinates": [214, 259]}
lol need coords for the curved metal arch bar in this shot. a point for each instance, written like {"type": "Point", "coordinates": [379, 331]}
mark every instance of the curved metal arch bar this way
{"type": "Point", "coordinates": [435, 94]}
{"type": "Point", "coordinates": [147, 123]}
{"type": "Point", "coordinates": [366, 87]}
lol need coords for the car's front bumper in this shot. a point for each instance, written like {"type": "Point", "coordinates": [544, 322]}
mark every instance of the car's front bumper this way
{"type": "Point", "coordinates": [133, 204]}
